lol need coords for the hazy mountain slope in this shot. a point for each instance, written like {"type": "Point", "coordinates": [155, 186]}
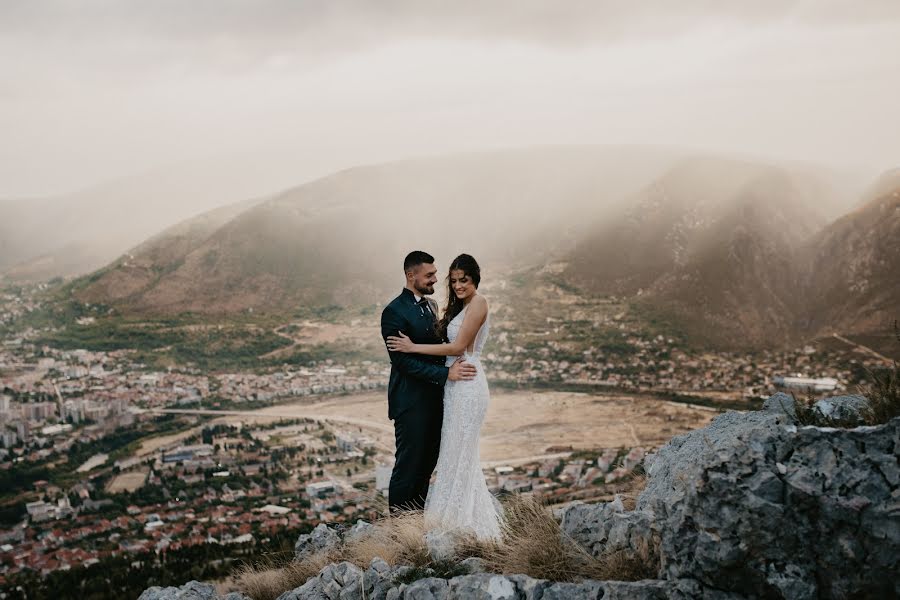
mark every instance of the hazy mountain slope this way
{"type": "Point", "coordinates": [884, 185]}
{"type": "Point", "coordinates": [143, 266]}
{"type": "Point", "coordinates": [718, 248]}
{"type": "Point", "coordinates": [854, 267]}
{"type": "Point", "coordinates": [341, 239]}
{"type": "Point", "coordinates": [711, 245]}
{"type": "Point", "coordinates": [74, 234]}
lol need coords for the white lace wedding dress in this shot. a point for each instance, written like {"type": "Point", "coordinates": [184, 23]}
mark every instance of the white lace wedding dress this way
{"type": "Point", "coordinates": [458, 500]}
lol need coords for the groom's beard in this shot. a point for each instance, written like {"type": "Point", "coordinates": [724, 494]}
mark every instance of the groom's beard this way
{"type": "Point", "coordinates": [424, 291]}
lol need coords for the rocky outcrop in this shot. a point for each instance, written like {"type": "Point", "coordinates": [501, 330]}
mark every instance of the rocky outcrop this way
{"type": "Point", "coordinates": [608, 528]}
{"type": "Point", "coordinates": [321, 538]}
{"type": "Point", "coordinates": [344, 581]}
{"type": "Point", "coordinates": [193, 590]}
{"type": "Point", "coordinates": [756, 504]}
{"type": "Point", "coordinates": [487, 586]}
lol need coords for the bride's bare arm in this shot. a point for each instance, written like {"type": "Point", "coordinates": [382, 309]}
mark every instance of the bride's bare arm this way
{"type": "Point", "coordinates": [476, 313]}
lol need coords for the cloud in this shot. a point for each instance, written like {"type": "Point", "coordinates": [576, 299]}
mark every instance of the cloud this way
{"type": "Point", "coordinates": [338, 26]}
{"type": "Point", "coordinates": [99, 88]}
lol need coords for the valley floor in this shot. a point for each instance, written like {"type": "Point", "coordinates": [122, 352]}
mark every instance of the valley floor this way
{"type": "Point", "coordinates": [520, 424]}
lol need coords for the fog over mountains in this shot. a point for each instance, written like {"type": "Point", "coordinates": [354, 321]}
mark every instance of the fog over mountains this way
{"type": "Point", "coordinates": [852, 267]}
{"type": "Point", "coordinates": [733, 251]}
{"type": "Point", "coordinates": [720, 246]}
{"type": "Point", "coordinates": [727, 248]}
{"type": "Point", "coordinates": [342, 238]}
{"type": "Point", "coordinates": [76, 233]}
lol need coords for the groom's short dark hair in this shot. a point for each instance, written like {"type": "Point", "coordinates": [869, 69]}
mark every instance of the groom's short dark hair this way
{"type": "Point", "coordinates": [416, 258]}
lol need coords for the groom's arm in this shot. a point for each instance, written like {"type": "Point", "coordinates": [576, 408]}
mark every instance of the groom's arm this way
{"type": "Point", "coordinates": [409, 364]}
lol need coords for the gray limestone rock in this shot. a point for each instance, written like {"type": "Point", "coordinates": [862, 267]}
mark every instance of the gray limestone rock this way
{"type": "Point", "coordinates": [781, 403]}
{"type": "Point", "coordinates": [430, 588]}
{"type": "Point", "coordinates": [441, 545]}
{"type": "Point", "coordinates": [379, 565]}
{"type": "Point", "coordinates": [528, 588]}
{"type": "Point", "coordinates": [585, 590]}
{"type": "Point", "coordinates": [751, 506]}
{"type": "Point", "coordinates": [483, 586]}
{"type": "Point", "coordinates": [321, 538]}
{"type": "Point", "coordinates": [311, 590]}
{"type": "Point", "coordinates": [843, 409]}
{"type": "Point", "coordinates": [755, 505]}
{"type": "Point", "coordinates": [472, 565]}
{"type": "Point", "coordinates": [360, 530]}
{"type": "Point", "coordinates": [607, 528]}
{"type": "Point", "coordinates": [193, 590]}
{"type": "Point", "coordinates": [679, 463]}
{"type": "Point", "coordinates": [158, 593]}
{"type": "Point", "coordinates": [487, 586]}
{"type": "Point", "coordinates": [340, 581]}
{"type": "Point", "coordinates": [396, 593]}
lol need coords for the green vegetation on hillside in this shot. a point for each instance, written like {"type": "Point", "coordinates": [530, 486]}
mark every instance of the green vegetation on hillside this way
{"type": "Point", "coordinates": [61, 470]}
{"type": "Point", "coordinates": [180, 340]}
{"type": "Point", "coordinates": [127, 575]}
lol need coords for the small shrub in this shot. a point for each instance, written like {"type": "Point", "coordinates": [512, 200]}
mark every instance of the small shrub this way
{"type": "Point", "coordinates": [884, 392]}
{"type": "Point", "coordinates": [637, 483]}
{"type": "Point", "coordinates": [397, 539]}
{"type": "Point", "coordinates": [808, 414]}
{"type": "Point", "coordinates": [442, 569]}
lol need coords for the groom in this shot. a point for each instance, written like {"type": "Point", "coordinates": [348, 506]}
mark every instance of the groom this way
{"type": "Point", "coordinates": [416, 385]}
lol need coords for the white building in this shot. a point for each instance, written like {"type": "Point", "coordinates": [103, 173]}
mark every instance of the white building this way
{"type": "Point", "coordinates": [274, 509]}
{"type": "Point", "coordinates": [56, 429]}
{"type": "Point", "coordinates": [321, 489]}
{"type": "Point", "coordinates": [820, 384]}
{"type": "Point", "coordinates": [8, 438]}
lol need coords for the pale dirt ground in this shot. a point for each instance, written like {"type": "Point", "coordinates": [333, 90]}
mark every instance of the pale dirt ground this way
{"type": "Point", "coordinates": [312, 333]}
{"type": "Point", "coordinates": [151, 445]}
{"type": "Point", "coordinates": [525, 424]}
{"type": "Point", "coordinates": [127, 482]}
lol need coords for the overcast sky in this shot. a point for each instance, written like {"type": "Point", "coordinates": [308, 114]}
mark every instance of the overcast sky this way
{"type": "Point", "coordinates": [93, 90]}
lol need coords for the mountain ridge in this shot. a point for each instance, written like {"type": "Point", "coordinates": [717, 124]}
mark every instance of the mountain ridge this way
{"type": "Point", "coordinates": [716, 245]}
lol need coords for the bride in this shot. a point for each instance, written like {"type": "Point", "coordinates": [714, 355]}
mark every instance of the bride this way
{"type": "Point", "coordinates": [459, 500]}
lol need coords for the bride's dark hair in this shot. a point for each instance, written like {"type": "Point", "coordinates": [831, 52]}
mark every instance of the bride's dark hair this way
{"type": "Point", "coordinates": [469, 266]}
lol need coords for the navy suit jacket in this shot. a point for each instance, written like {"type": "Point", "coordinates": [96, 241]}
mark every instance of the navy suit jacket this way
{"type": "Point", "coordinates": [415, 378]}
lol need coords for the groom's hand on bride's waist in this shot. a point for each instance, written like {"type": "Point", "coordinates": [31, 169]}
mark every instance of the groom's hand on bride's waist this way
{"type": "Point", "coordinates": [462, 370]}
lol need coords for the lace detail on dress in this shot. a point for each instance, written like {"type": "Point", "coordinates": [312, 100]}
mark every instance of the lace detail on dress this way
{"type": "Point", "coordinates": [459, 500]}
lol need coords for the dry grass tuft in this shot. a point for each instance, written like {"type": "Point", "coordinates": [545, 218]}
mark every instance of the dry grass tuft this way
{"type": "Point", "coordinates": [532, 543]}
{"type": "Point", "coordinates": [269, 579]}
{"type": "Point", "coordinates": [626, 566]}
{"type": "Point", "coordinates": [636, 485]}
{"type": "Point", "coordinates": [397, 539]}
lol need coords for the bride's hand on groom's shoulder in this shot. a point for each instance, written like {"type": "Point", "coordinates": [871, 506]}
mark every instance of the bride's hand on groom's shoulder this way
{"type": "Point", "coordinates": [400, 343]}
